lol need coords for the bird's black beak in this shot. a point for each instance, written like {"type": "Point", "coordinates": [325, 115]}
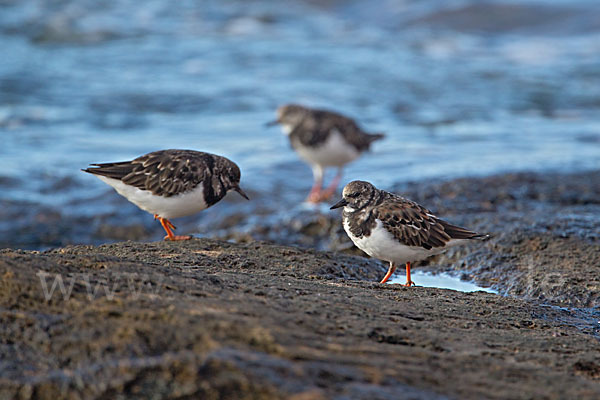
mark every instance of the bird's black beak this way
{"type": "Point", "coordinates": [241, 192]}
{"type": "Point", "coordinates": [272, 123]}
{"type": "Point", "coordinates": [339, 204]}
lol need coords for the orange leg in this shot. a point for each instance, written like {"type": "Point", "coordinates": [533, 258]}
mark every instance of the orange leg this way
{"type": "Point", "coordinates": [315, 193]}
{"type": "Point", "coordinates": [330, 191]}
{"type": "Point", "coordinates": [389, 273]}
{"type": "Point", "coordinates": [391, 270]}
{"type": "Point", "coordinates": [408, 281]}
{"type": "Point", "coordinates": [168, 225]}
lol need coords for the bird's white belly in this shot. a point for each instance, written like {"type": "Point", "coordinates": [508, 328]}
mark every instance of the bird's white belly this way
{"type": "Point", "coordinates": [382, 245]}
{"type": "Point", "coordinates": [167, 207]}
{"type": "Point", "coordinates": [334, 152]}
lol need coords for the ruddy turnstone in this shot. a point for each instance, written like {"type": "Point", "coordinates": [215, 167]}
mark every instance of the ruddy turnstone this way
{"type": "Point", "coordinates": [172, 183]}
{"type": "Point", "coordinates": [323, 139]}
{"type": "Point", "coordinates": [394, 229]}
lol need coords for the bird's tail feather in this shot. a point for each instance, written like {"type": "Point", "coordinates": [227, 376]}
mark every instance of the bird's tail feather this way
{"type": "Point", "coordinates": [375, 136]}
{"type": "Point", "coordinates": [456, 232]}
{"type": "Point", "coordinates": [116, 170]}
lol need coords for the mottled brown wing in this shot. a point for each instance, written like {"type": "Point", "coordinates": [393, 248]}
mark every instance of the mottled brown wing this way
{"type": "Point", "coordinates": [414, 225]}
{"type": "Point", "coordinates": [164, 173]}
{"type": "Point", "coordinates": [353, 133]}
{"type": "Point", "coordinates": [316, 127]}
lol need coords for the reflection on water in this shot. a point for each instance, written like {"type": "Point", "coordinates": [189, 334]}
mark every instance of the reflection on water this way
{"type": "Point", "coordinates": [457, 91]}
{"type": "Point", "coordinates": [442, 281]}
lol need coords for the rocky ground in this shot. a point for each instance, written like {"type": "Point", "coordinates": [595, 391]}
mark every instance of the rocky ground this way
{"type": "Point", "coordinates": [210, 319]}
{"type": "Point", "coordinates": [214, 319]}
{"type": "Point", "coordinates": [545, 232]}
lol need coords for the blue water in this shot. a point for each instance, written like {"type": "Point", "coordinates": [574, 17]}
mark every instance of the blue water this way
{"type": "Point", "coordinates": [460, 88]}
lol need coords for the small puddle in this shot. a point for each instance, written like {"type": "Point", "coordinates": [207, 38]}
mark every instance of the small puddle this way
{"type": "Point", "coordinates": [442, 281]}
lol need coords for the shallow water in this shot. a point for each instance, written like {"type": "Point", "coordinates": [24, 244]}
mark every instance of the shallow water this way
{"type": "Point", "coordinates": [442, 281]}
{"type": "Point", "coordinates": [457, 93]}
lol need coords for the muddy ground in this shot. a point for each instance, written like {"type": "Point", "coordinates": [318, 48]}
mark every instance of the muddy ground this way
{"type": "Point", "coordinates": [210, 319]}
{"type": "Point", "coordinates": [213, 319]}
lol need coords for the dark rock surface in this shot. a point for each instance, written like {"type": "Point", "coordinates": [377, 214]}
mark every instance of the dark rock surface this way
{"type": "Point", "coordinates": [545, 233]}
{"type": "Point", "coordinates": [210, 319]}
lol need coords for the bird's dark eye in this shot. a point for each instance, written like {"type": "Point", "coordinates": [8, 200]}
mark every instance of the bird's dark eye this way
{"type": "Point", "coordinates": [353, 195]}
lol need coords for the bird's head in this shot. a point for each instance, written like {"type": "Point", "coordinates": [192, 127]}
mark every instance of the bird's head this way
{"type": "Point", "coordinates": [356, 195]}
{"type": "Point", "coordinates": [231, 179]}
{"type": "Point", "coordinates": [290, 115]}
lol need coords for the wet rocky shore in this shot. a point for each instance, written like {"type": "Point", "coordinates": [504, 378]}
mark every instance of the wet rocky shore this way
{"type": "Point", "coordinates": [211, 318]}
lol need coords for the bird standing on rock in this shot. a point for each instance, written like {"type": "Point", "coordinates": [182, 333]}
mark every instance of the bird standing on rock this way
{"type": "Point", "coordinates": [172, 183]}
{"type": "Point", "coordinates": [323, 139]}
{"type": "Point", "coordinates": [391, 228]}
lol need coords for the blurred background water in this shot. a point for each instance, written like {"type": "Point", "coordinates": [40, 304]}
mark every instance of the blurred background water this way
{"type": "Point", "coordinates": [461, 88]}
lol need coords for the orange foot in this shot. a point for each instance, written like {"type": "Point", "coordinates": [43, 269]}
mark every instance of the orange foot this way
{"type": "Point", "coordinates": [178, 237]}
{"type": "Point", "coordinates": [409, 281]}
{"type": "Point", "coordinates": [315, 192]}
{"type": "Point", "coordinates": [319, 196]}
{"type": "Point", "coordinates": [314, 198]}
{"type": "Point", "coordinates": [331, 189]}
{"type": "Point", "coordinates": [168, 226]}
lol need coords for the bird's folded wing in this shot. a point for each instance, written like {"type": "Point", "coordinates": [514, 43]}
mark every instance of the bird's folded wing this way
{"type": "Point", "coordinates": [412, 224]}
{"type": "Point", "coordinates": [164, 173]}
